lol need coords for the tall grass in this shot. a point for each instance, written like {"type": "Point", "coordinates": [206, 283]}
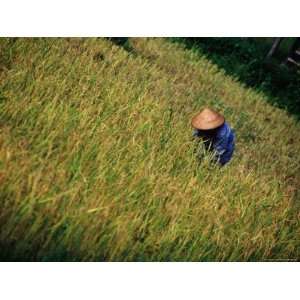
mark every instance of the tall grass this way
{"type": "Point", "coordinates": [245, 59]}
{"type": "Point", "coordinates": [97, 160]}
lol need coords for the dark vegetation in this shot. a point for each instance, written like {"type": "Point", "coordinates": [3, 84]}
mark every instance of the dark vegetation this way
{"type": "Point", "coordinates": [122, 42]}
{"type": "Point", "coordinates": [245, 60]}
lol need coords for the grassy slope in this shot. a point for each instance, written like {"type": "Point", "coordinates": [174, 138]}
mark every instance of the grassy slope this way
{"type": "Point", "coordinates": [97, 162]}
{"type": "Point", "coordinates": [245, 60]}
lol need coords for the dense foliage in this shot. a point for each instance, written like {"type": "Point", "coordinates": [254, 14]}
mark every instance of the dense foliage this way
{"type": "Point", "coordinates": [97, 160]}
{"type": "Point", "coordinates": [245, 59]}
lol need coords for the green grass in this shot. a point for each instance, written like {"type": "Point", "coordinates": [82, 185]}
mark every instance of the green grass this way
{"type": "Point", "coordinates": [97, 161]}
{"type": "Point", "coordinates": [245, 60]}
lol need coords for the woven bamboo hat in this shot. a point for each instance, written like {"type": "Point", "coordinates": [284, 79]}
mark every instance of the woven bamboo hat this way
{"type": "Point", "coordinates": [207, 119]}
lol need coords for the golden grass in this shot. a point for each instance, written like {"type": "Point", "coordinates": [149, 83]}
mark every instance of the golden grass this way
{"type": "Point", "coordinates": [97, 160]}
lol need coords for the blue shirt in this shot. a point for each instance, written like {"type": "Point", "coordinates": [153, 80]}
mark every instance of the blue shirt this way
{"type": "Point", "coordinates": [223, 142]}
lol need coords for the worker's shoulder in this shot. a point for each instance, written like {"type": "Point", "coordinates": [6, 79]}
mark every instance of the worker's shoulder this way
{"type": "Point", "coordinates": [224, 130]}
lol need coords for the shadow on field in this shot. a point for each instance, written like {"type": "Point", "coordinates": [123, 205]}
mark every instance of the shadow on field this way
{"type": "Point", "coordinates": [244, 59]}
{"type": "Point", "coordinates": [20, 251]}
{"type": "Point", "coordinates": [122, 42]}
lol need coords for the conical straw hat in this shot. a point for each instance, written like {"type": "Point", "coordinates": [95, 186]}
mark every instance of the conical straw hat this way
{"type": "Point", "coordinates": [207, 119]}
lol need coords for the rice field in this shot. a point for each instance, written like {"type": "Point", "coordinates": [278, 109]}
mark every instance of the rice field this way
{"type": "Point", "coordinates": [97, 161]}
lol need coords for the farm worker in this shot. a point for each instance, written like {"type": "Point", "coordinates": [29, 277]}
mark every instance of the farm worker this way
{"type": "Point", "coordinates": [216, 133]}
